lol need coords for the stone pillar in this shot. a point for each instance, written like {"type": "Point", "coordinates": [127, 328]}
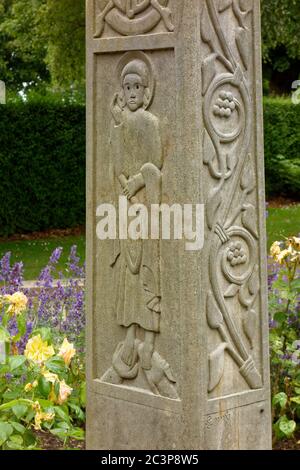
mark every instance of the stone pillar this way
{"type": "Point", "coordinates": [177, 340]}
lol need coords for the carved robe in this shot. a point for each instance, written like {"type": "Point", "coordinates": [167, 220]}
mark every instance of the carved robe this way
{"type": "Point", "coordinates": [136, 150]}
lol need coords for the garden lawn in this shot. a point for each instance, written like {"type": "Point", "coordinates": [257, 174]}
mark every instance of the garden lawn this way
{"type": "Point", "coordinates": [35, 253]}
{"type": "Point", "coordinates": [282, 223]}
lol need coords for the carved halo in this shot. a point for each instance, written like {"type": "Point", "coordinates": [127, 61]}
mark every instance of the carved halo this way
{"type": "Point", "coordinates": [138, 55]}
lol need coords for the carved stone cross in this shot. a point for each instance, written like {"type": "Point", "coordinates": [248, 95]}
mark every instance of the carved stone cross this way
{"type": "Point", "coordinates": [177, 339]}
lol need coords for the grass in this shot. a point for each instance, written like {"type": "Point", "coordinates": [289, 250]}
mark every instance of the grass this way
{"type": "Point", "coordinates": [281, 222]}
{"type": "Point", "coordinates": [35, 253]}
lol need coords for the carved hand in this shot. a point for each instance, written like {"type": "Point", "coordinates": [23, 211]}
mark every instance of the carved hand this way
{"type": "Point", "coordinates": [116, 109]}
{"type": "Point", "coordinates": [130, 189]}
{"type": "Point", "coordinates": [133, 185]}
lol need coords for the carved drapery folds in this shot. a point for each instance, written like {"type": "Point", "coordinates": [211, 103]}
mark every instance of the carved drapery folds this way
{"type": "Point", "coordinates": [231, 215]}
{"type": "Point", "coordinates": [132, 17]}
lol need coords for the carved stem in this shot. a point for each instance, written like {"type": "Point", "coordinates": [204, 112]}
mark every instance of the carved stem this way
{"type": "Point", "coordinates": [221, 303]}
{"type": "Point", "coordinates": [223, 43]}
{"type": "Point", "coordinates": [237, 211]}
{"type": "Point", "coordinates": [230, 349]}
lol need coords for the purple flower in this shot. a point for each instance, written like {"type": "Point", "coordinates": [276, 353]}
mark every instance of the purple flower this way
{"type": "Point", "coordinates": [272, 324]}
{"type": "Point", "coordinates": [54, 303]}
{"type": "Point", "coordinates": [54, 258]}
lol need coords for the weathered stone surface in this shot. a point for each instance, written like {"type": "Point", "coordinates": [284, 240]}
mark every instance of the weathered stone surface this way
{"type": "Point", "coordinates": [177, 340]}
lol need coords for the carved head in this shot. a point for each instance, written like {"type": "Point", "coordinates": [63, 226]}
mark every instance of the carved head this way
{"type": "Point", "coordinates": [135, 85]}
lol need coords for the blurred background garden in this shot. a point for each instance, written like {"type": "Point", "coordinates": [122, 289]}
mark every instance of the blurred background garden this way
{"type": "Point", "coordinates": [42, 218]}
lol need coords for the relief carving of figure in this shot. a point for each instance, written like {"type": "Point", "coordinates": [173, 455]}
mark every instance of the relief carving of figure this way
{"type": "Point", "coordinates": [136, 163]}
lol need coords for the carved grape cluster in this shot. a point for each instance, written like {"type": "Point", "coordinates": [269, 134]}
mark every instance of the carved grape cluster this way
{"type": "Point", "coordinates": [225, 105]}
{"type": "Point", "coordinates": [236, 255]}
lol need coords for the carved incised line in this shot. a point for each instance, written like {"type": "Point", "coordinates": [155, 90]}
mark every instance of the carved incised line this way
{"type": "Point", "coordinates": [226, 142]}
{"type": "Point", "coordinates": [133, 17]}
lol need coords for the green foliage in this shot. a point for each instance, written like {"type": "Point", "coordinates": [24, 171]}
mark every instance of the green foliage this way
{"type": "Point", "coordinates": [42, 170]}
{"type": "Point", "coordinates": [280, 32]}
{"type": "Point", "coordinates": [42, 44]}
{"type": "Point", "coordinates": [23, 51]}
{"type": "Point", "coordinates": [282, 147]}
{"type": "Point", "coordinates": [284, 338]}
{"type": "Point", "coordinates": [62, 25]}
{"type": "Point", "coordinates": [41, 389]}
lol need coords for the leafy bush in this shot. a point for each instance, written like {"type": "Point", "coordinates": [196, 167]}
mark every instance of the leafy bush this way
{"type": "Point", "coordinates": [42, 166]}
{"type": "Point", "coordinates": [41, 389]}
{"type": "Point", "coordinates": [42, 380]}
{"type": "Point", "coordinates": [284, 306]}
{"type": "Point", "coordinates": [282, 147]}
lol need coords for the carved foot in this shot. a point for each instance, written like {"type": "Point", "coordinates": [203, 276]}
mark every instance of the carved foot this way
{"type": "Point", "coordinates": [123, 370]}
{"type": "Point", "coordinates": [128, 353]}
{"type": "Point", "coordinates": [160, 377]}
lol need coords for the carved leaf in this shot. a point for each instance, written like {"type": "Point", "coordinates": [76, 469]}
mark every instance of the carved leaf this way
{"type": "Point", "coordinates": [223, 5]}
{"type": "Point", "coordinates": [238, 75]}
{"type": "Point", "coordinates": [249, 325]}
{"type": "Point", "coordinates": [208, 71]}
{"type": "Point", "coordinates": [248, 179]}
{"type": "Point", "coordinates": [249, 219]}
{"type": "Point", "coordinates": [245, 298]}
{"type": "Point", "coordinates": [209, 152]}
{"type": "Point", "coordinates": [216, 366]}
{"type": "Point", "coordinates": [212, 207]}
{"type": "Point", "coordinates": [206, 32]}
{"type": "Point", "coordinates": [243, 44]}
{"type": "Point", "coordinates": [214, 316]}
{"type": "Point", "coordinates": [232, 290]}
{"type": "Point", "coordinates": [253, 284]}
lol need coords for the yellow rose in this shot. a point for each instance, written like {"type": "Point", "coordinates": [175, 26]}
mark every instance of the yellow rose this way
{"type": "Point", "coordinates": [40, 417]}
{"type": "Point", "coordinates": [296, 243]}
{"type": "Point", "coordinates": [28, 387]}
{"type": "Point", "coordinates": [275, 250]}
{"type": "Point", "coordinates": [64, 392]}
{"type": "Point", "coordinates": [36, 406]}
{"type": "Point", "coordinates": [38, 350]}
{"type": "Point", "coordinates": [67, 351]}
{"type": "Point", "coordinates": [18, 303]}
{"type": "Point", "coordinates": [50, 377]}
{"type": "Point", "coordinates": [283, 255]}
{"type": "Point", "coordinates": [38, 421]}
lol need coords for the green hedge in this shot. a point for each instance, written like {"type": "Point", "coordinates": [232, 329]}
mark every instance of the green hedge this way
{"type": "Point", "coordinates": [282, 147]}
{"type": "Point", "coordinates": [42, 167]}
{"type": "Point", "coordinates": [42, 162]}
